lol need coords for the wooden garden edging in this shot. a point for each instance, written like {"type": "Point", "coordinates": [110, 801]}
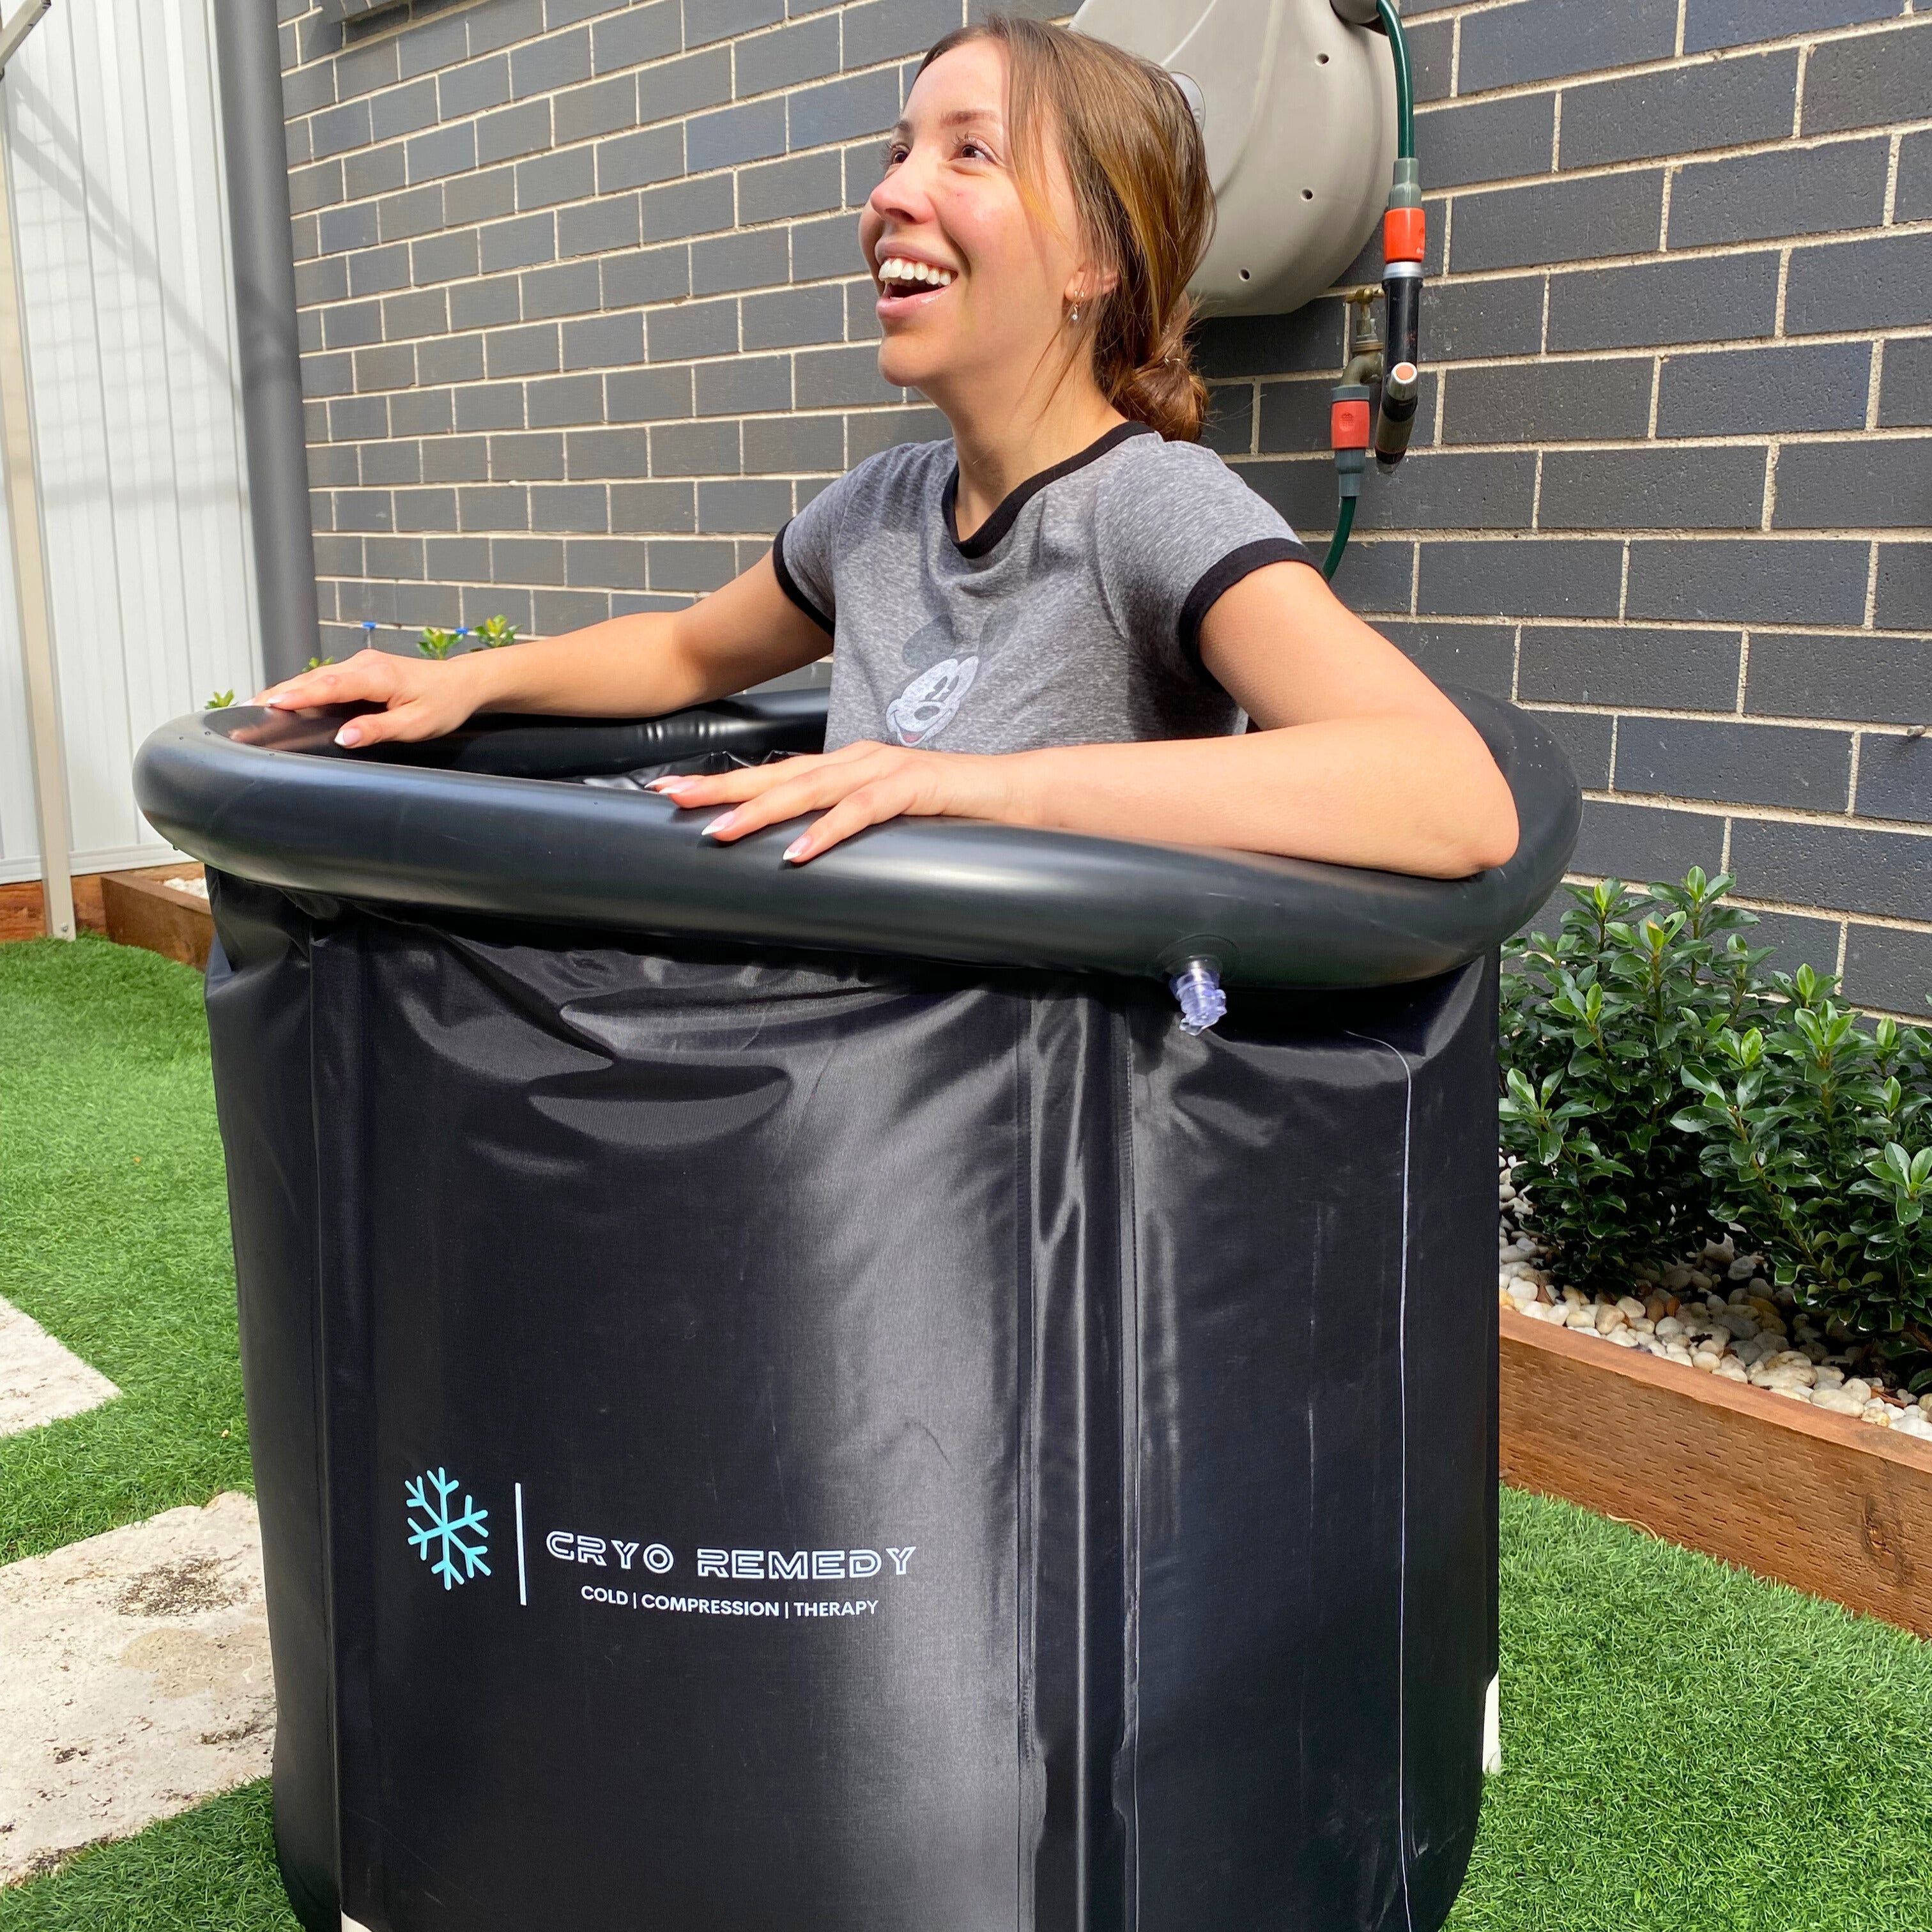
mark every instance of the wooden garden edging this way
{"type": "Point", "coordinates": [1829, 1504]}
{"type": "Point", "coordinates": [143, 911]}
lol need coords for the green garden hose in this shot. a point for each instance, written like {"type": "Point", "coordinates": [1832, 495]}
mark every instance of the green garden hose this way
{"type": "Point", "coordinates": [1402, 253]}
{"type": "Point", "coordinates": [1405, 90]}
{"type": "Point", "coordinates": [1344, 522]}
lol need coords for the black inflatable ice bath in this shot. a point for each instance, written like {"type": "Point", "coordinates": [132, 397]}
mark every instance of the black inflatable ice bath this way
{"type": "Point", "coordinates": [804, 1398]}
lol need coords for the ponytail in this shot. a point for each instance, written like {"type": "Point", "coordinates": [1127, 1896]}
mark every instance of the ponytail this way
{"type": "Point", "coordinates": [1164, 392]}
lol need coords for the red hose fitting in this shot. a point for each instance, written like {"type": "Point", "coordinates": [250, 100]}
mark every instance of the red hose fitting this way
{"type": "Point", "coordinates": [1405, 235]}
{"type": "Point", "coordinates": [1348, 424]}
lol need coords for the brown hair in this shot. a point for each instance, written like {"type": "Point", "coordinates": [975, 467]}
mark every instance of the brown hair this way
{"type": "Point", "coordinates": [1140, 183]}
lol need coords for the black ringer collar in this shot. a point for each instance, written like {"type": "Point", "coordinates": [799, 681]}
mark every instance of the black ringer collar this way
{"type": "Point", "coordinates": [989, 534]}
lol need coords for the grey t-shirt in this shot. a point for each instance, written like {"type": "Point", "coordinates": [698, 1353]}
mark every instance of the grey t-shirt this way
{"type": "Point", "coordinates": [1072, 616]}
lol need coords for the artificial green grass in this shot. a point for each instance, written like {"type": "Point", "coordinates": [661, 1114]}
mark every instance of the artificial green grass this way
{"type": "Point", "coordinates": [1686, 1749]}
{"type": "Point", "coordinates": [211, 1870]}
{"type": "Point", "coordinates": [114, 1238]}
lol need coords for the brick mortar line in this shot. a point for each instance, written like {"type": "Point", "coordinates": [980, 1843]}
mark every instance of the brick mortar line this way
{"type": "Point", "coordinates": [1449, 277]}
{"type": "Point", "coordinates": [1883, 922]}
{"type": "Point", "coordinates": [1759, 814]}
{"type": "Point", "coordinates": [1793, 908]}
{"type": "Point", "coordinates": [1915, 533]}
{"type": "Point", "coordinates": [1670, 163]}
{"type": "Point", "coordinates": [1841, 727]}
{"type": "Point", "coordinates": [1839, 633]}
{"type": "Point", "coordinates": [1706, 251]}
{"type": "Point", "coordinates": [1559, 358]}
{"type": "Point", "coordinates": [1804, 36]}
{"type": "Point", "coordinates": [1768, 439]}
{"type": "Point", "coordinates": [1553, 359]}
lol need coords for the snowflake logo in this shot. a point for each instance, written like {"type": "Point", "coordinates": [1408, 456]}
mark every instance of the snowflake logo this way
{"type": "Point", "coordinates": [451, 1536]}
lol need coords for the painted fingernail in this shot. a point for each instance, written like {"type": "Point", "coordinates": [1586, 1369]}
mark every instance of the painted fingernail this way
{"type": "Point", "coordinates": [795, 850]}
{"type": "Point", "coordinates": [669, 787]}
{"type": "Point", "coordinates": [349, 735]}
{"type": "Point", "coordinates": [723, 823]}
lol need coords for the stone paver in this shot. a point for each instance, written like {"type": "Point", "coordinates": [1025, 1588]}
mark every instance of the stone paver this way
{"type": "Point", "coordinates": [40, 1381]}
{"type": "Point", "coordinates": [134, 1680]}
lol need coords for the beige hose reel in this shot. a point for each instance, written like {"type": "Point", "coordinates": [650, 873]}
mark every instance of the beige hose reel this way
{"type": "Point", "coordinates": [1297, 109]}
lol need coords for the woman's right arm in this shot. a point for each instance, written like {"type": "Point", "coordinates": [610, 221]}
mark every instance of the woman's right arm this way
{"type": "Point", "coordinates": [636, 667]}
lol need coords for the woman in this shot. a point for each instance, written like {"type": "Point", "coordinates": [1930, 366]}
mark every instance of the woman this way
{"type": "Point", "coordinates": [1060, 617]}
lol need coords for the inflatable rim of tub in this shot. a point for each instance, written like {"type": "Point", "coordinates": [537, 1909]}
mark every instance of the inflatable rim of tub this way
{"type": "Point", "coordinates": [475, 823]}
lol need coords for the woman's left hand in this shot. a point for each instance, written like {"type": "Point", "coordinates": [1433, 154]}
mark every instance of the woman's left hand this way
{"type": "Point", "coordinates": [860, 785]}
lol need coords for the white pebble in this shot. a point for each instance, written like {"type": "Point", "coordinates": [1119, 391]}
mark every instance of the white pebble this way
{"type": "Point", "coordinates": [1669, 1328]}
{"type": "Point", "coordinates": [1584, 1317]}
{"type": "Point", "coordinates": [1730, 1369]}
{"type": "Point", "coordinates": [1677, 1352]}
{"type": "Point", "coordinates": [1633, 1309]}
{"type": "Point", "coordinates": [1880, 1412]}
{"type": "Point", "coordinates": [1705, 1358]}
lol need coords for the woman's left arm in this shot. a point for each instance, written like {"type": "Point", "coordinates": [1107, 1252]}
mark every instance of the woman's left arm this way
{"type": "Point", "coordinates": [1360, 760]}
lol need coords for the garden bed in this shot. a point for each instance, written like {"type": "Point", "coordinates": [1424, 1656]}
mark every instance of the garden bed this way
{"type": "Point", "coordinates": [1817, 1500]}
{"type": "Point", "coordinates": [164, 908]}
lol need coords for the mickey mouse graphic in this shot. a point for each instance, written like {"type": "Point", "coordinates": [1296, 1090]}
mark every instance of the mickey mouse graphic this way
{"type": "Point", "coordinates": [931, 701]}
{"type": "Point", "coordinates": [942, 677]}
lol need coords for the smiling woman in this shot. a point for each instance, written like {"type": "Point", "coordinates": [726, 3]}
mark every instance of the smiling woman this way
{"type": "Point", "coordinates": [1069, 614]}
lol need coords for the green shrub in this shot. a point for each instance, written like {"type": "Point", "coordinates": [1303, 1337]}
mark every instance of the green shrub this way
{"type": "Point", "coordinates": [1661, 1087]}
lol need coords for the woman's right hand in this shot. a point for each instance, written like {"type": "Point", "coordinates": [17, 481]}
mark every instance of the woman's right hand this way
{"type": "Point", "coordinates": [423, 697]}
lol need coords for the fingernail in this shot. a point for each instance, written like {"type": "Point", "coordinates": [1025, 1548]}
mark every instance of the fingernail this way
{"type": "Point", "coordinates": [795, 850]}
{"type": "Point", "coordinates": [722, 824]}
{"type": "Point", "coordinates": [669, 787]}
{"type": "Point", "coordinates": [349, 735]}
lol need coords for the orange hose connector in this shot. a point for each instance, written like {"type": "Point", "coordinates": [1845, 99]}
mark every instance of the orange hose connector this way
{"type": "Point", "coordinates": [1405, 235]}
{"type": "Point", "coordinates": [1348, 424]}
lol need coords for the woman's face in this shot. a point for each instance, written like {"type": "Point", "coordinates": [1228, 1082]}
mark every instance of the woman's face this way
{"type": "Point", "coordinates": [989, 311]}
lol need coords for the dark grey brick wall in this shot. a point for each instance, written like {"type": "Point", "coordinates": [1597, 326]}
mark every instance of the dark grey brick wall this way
{"type": "Point", "coordinates": [583, 322]}
{"type": "Point", "coordinates": [1686, 277]}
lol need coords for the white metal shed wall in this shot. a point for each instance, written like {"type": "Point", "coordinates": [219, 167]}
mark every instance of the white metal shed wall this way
{"type": "Point", "coordinates": [112, 127]}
